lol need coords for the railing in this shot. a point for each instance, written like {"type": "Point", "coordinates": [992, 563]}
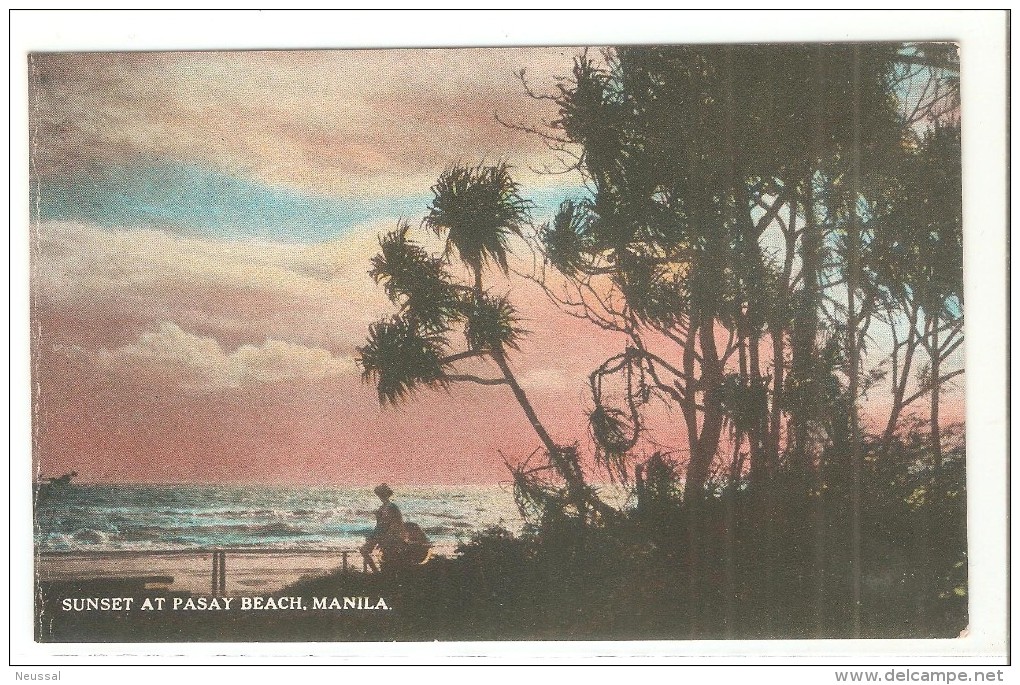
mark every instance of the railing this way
{"type": "Point", "coordinates": [219, 567]}
{"type": "Point", "coordinates": [219, 564]}
{"type": "Point", "coordinates": [217, 579]}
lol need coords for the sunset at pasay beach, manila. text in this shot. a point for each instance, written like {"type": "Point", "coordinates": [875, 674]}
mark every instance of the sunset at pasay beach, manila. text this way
{"type": "Point", "coordinates": [242, 603]}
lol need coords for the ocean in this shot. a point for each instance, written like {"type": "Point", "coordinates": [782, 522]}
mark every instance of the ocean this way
{"type": "Point", "coordinates": [107, 518]}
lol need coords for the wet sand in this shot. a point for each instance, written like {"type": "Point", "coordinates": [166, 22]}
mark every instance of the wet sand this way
{"type": "Point", "coordinates": [248, 572]}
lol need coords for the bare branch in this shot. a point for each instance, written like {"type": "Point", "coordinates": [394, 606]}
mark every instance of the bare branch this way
{"type": "Point", "coordinates": [925, 390]}
{"type": "Point", "coordinates": [476, 379]}
{"type": "Point", "coordinates": [446, 361]}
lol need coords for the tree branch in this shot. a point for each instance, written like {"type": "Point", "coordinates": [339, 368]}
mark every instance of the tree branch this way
{"type": "Point", "coordinates": [446, 361]}
{"type": "Point", "coordinates": [941, 381]}
{"type": "Point", "coordinates": [476, 379]}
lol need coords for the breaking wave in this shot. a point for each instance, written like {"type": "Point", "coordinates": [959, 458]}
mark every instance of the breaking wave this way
{"type": "Point", "coordinates": [133, 517]}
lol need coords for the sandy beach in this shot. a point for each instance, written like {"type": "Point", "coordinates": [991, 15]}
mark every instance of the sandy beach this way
{"type": "Point", "coordinates": [248, 571]}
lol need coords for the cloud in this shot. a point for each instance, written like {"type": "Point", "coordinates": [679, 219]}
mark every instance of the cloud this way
{"type": "Point", "coordinates": [244, 292]}
{"type": "Point", "coordinates": [368, 123]}
{"type": "Point", "coordinates": [200, 363]}
{"type": "Point", "coordinates": [137, 257]}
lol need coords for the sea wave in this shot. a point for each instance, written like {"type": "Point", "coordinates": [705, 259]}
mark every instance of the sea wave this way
{"type": "Point", "coordinates": [111, 517]}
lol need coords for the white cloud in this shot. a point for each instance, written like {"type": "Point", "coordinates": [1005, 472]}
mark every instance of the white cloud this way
{"type": "Point", "coordinates": [367, 122]}
{"type": "Point", "coordinates": [317, 294]}
{"type": "Point", "coordinates": [71, 256]}
{"type": "Point", "coordinates": [202, 363]}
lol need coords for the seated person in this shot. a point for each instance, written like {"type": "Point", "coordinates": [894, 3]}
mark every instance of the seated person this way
{"type": "Point", "coordinates": [388, 535]}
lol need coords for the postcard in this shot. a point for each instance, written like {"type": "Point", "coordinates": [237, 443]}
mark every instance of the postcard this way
{"type": "Point", "coordinates": [605, 343]}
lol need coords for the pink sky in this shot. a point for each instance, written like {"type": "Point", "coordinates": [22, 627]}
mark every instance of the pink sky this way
{"type": "Point", "coordinates": [169, 352]}
{"type": "Point", "coordinates": [158, 363]}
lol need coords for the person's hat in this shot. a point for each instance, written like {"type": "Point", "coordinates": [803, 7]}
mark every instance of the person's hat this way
{"type": "Point", "coordinates": [383, 490]}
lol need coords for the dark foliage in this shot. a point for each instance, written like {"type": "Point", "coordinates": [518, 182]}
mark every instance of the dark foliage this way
{"type": "Point", "coordinates": [491, 323]}
{"type": "Point", "coordinates": [478, 209]}
{"type": "Point", "coordinates": [400, 356]}
{"type": "Point", "coordinates": [750, 215]}
{"type": "Point", "coordinates": [416, 281]}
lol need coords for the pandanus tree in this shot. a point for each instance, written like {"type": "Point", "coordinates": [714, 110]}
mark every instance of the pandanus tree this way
{"type": "Point", "coordinates": [697, 161]}
{"type": "Point", "coordinates": [476, 211]}
{"type": "Point", "coordinates": [916, 261]}
{"type": "Point", "coordinates": [723, 214]}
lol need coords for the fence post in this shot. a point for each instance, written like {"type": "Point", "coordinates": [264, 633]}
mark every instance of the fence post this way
{"type": "Point", "coordinates": [219, 573]}
{"type": "Point", "coordinates": [215, 573]}
{"type": "Point", "coordinates": [223, 573]}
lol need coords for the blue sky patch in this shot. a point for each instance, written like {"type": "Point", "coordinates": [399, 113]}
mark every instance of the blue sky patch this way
{"type": "Point", "coordinates": [194, 200]}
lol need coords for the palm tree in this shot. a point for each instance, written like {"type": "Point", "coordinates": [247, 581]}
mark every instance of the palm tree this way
{"type": "Point", "coordinates": [478, 210]}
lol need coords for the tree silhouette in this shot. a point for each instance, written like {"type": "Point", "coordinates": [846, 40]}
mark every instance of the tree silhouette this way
{"type": "Point", "coordinates": [754, 220]}
{"type": "Point", "coordinates": [476, 210]}
{"type": "Point", "coordinates": [734, 197]}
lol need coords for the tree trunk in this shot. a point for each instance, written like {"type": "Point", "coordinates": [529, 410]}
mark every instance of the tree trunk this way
{"type": "Point", "coordinates": [566, 466]}
{"type": "Point", "coordinates": [936, 387]}
{"type": "Point", "coordinates": [803, 343]}
{"type": "Point", "coordinates": [702, 455]}
{"type": "Point", "coordinates": [713, 415]}
{"type": "Point", "coordinates": [730, 590]}
{"type": "Point", "coordinates": [901, 377]}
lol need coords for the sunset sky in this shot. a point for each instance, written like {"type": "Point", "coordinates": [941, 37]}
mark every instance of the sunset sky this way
{"type": "Point", "coordinates": [203, 225]}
